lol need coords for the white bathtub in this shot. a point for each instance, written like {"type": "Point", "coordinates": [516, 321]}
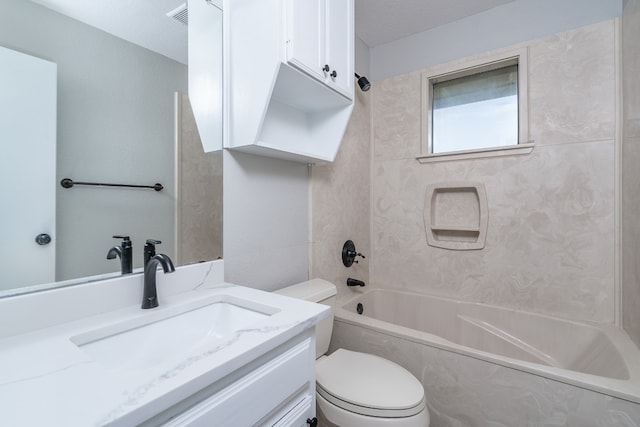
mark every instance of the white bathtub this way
{"type": "Point", "coordinates": [596, 357]}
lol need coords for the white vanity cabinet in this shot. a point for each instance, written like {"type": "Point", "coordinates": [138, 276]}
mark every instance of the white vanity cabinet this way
{"type": "Point", "coordinates": [279, 100]}
{"type": "Point", "coordinates": [319, 41]}
{"type": "Point", "coordinates": [278, 389]}
{"type": "Point", "coordinates": [212, 354]}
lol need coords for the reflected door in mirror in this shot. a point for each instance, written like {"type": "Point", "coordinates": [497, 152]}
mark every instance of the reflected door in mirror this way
{"type": "Point", "coordinates": [28, 91]}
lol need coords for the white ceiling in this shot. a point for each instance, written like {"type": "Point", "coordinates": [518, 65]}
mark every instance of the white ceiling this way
{"type": "Point", "coordinates": [144, 22]}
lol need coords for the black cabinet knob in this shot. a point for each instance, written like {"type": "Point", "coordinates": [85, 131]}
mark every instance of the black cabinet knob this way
{"type": "Point", "coordinates": [326, 68]}
{"type": "Point", "coordinates": [334, 74]}
{"type": "Point", "coordinates": [313, 422]}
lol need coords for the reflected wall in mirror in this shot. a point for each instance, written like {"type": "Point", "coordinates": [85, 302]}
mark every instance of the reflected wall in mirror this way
{"type": "Point", "coordinates": [199, 205]}
{"type": "Point", "coordinates": [119, 120]}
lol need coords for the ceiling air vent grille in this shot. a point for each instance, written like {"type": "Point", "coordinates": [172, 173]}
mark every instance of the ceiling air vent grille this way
{"type": "Point", "coordinates": [180, 14]}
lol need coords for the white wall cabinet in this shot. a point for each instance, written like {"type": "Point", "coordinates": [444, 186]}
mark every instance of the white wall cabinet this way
{"type": "Point", "coordinates": [279, 101]}
{"type": "Point", "coordinates": [319, 40]}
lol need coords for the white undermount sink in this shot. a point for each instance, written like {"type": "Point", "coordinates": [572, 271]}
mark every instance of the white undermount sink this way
{"type": "Point", "coordinates": [160, 336]}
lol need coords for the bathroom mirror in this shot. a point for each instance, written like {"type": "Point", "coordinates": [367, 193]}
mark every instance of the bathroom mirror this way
{"type": "Point", "coordinates": [121, 118]}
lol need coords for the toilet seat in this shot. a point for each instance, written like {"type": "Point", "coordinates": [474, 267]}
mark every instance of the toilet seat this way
{"type": "Point", "coordinates": [368, 385]}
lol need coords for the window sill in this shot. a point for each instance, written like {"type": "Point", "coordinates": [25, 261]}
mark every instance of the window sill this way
{"type": "Point", "coordinates": [512, 150]}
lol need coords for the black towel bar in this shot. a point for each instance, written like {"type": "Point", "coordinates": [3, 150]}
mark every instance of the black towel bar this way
{"type": "Point", "coordinates": [69, 183]}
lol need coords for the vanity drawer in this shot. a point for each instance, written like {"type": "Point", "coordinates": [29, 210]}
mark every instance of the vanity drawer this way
{"type": "Point", "coordinates": [293, 412]}
{"type": "Point", "coordinates": [299, 414]}
{"type": "Point", "coordinates": [265, 390]}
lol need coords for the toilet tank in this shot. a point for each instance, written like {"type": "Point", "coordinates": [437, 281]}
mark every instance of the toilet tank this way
{"type": "Point", "coordinates": [321, 292]}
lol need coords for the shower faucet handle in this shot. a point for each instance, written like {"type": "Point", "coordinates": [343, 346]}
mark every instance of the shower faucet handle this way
{"type": "Point", "coordinates": [354, 254]}
{"type": "Point", "coordinates": [349, 253]}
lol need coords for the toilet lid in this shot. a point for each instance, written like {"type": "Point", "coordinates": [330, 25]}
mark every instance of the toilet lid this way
{"type": "Point", "coordinates": [368, 384]}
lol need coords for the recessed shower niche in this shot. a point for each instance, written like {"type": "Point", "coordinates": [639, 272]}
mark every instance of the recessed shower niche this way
{"type": "Point", "coordinates": [456, 215]}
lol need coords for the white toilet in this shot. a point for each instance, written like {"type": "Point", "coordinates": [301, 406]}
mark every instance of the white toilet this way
{"type": "Point", "coordinates": [358, 389]}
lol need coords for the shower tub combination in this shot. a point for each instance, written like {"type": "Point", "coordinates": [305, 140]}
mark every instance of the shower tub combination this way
{"type": "Point", "coordinates": [483, 365]}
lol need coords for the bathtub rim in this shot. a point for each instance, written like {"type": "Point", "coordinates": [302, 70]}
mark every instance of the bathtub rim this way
{"type": "Point", "coordinates": [623, 389]}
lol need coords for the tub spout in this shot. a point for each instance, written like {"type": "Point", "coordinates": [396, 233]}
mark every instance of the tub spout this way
{"type": "Point", "coordinates": [354, 282]}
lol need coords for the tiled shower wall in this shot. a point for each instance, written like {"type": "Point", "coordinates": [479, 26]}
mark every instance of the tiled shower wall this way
{"type": "Point", "coordinates": [340, 200]}
{"type": "Point", "coordinates": [550, 243]}
{"type": "Point", "coordinates": [630, 229]}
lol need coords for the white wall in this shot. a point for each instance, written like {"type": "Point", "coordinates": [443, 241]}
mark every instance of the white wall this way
{"type": "Point", "coordinates": [362, 58]}
{"type": "Point", "coordinates": [266, 221]}
{"type": "Point", "coordinates": [115, 124]}
{"type": "Point", "coordinates": [505, 25]}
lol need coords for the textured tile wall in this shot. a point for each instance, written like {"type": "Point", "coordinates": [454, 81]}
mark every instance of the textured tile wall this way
{"type": "Point", "coordinates": [631, 68]}
{"type": "Point", "coordinates": [340, 203]}
{"type": "Point", "coordinates": [630, 193]}
{"type": "Point", "coordinates": [199, 221]}
{"type": "Point", "coordinates": [550, 241]}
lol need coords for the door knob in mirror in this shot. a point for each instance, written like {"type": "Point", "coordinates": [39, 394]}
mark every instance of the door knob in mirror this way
{"type": "Point", "coordinates": [43, 239]}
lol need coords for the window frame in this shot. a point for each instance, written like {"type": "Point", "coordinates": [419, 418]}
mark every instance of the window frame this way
{"type": "Point", "coordinates": [466, 68]}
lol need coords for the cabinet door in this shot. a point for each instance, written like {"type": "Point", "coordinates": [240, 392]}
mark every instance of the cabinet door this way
{"type": "Point", "coordinates": [339, 35]}
{"type": "Point", "coordinates": [305, 36]}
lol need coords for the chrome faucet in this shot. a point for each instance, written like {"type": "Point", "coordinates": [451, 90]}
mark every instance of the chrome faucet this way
{"type": "Point", "coordinates": [125, 252]}
{"type": "Point", "coordinates": [150, 293]}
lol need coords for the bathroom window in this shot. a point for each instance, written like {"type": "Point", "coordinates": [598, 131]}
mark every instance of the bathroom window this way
{"type": "Point", "coordinates": [480, 109]}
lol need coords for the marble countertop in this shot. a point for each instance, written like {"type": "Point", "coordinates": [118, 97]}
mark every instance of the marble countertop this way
{"type": "Point", "coordinates": [47, 380]}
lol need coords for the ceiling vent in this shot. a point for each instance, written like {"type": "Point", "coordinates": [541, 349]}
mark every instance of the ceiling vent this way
{"type": "Point", "coordinates": [180, 14]}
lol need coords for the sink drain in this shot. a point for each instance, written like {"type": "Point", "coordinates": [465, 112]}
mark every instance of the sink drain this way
{"type": "Point", "coordinates": [360, 308]}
